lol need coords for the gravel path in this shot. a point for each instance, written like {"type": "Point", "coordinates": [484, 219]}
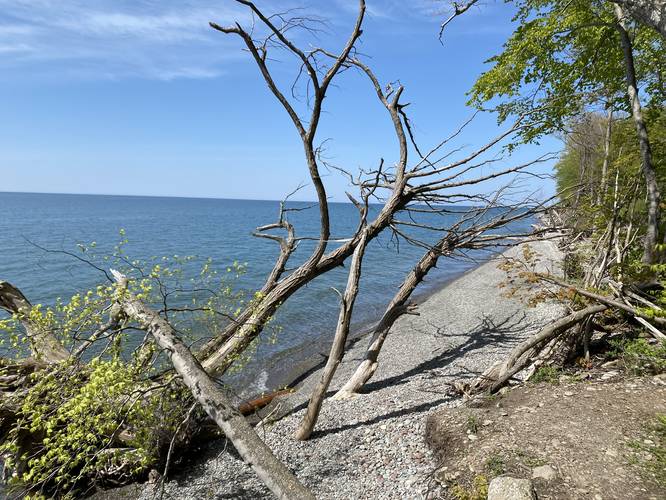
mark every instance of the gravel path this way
{"type": "Point", "coordinates": [372, 446]}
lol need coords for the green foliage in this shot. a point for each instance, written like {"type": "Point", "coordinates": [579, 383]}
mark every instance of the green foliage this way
{"type": "Point", "coordinates": [496, 465]}
{"type": "Point", "coordinates": [76, 413]}
{"type": "Point", "coordinates": [573, 266]}
{"type": "Point", "coordinates": [472, 424]}
{"type": "Point", "coordinates": [109, 413]}
{"type": "Point", "coordinates": [546, 373]}
{"type": "Point", "coordinates": [650, 454]}
{"type": "Point", "coordinates": [563, 55]}
{"type": "Point", "coordinates": [592, 208]}
{"type": "Point", "coordinates": [478, 491]}
{"type": "Point", "coordinates": [659, 450]}
{"type": "Point", "coordinates": [640, 356]}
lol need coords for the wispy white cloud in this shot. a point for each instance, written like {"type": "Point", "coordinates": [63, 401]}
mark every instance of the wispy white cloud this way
{"type": "Point", "coordinates": [396, 9]}
{"type": "Point", "coordinates": [167, 39]}
{"type": "Point", "coordinates": [162, 39]}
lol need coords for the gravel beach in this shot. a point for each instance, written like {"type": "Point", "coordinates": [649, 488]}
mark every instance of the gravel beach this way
{"type": "Point", "coordinates": [372, 446]}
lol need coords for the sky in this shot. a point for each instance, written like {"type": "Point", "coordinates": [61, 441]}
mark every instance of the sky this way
{"type": "Point", "coordinates": [141, 97]}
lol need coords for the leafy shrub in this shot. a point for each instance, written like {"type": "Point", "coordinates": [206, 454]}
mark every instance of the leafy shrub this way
{"type": "Point", "coordinates": [108, 413]}
{"type": "Point", "coordinates": [478, 491]}
{"type": "Point", "coordinates": [546, 373]}
{"type": "Point", "coordinates": [639, 356]}
{"type": "Point", "coordinates": [74, 414]}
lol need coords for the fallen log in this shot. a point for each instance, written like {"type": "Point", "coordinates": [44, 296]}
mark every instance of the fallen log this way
{"type": "Point", "coordinates": [215, 399]}
{"type": "Point", "coordinates": [520, 357]}
{"type": "Point", "coordinates": [44, 345]}
{"type": "Point", "coordinates": [254, 405]}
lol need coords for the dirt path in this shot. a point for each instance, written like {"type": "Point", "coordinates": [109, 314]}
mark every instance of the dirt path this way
{"type": "Point", "coordinates": [595, 436]}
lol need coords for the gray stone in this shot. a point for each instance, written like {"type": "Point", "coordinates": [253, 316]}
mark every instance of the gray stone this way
{"type": "Point", "coordinates": [545, 472]}
{"type": "Point", "coordinates": [610, 374]}
{"type": "Point", "coordinates": [510, 488]}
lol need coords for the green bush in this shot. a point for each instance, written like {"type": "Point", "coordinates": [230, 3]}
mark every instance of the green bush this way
{"type": "Point", "coordinates": [546, 373]}
{"type": "Point", "coordinates": [639, 356]}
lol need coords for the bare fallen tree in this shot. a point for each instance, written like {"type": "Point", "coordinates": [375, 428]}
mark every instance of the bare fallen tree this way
{"type": "Point", "coordinates": [400, 186]}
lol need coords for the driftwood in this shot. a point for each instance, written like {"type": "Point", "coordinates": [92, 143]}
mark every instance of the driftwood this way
{"type": "Point", "coordinates": [215, 400]}
{"type": "Point", "coordinates": [44, 345]}
{"type": "Point", "coordinates": [256, 404]}
{"type": "Point", "coordinates": [522, 355]}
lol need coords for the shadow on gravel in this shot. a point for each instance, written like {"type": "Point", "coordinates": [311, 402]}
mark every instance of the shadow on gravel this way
{"type": "Point", "coordinates": [423, 407]}
{"type": "Point", "coordinates": [487, 332]}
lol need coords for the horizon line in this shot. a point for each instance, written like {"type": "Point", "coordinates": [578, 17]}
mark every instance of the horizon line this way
{"type": "Point", "coordinates": [160, 196]}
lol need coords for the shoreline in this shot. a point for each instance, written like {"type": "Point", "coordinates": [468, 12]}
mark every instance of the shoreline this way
{"type": "Point", "coordinates": [373, 444]}
{"type": "Point", "coordinates": [288, 368]}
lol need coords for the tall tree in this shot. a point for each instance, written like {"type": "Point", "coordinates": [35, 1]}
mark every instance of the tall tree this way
{"type": "Point", "coordinates": [568, 56]}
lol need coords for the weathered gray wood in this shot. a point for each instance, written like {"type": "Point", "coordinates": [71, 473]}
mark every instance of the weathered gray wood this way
{"type": "Point", "coordinates": [499, 374]}
{"type": "Point", "coordinates": [215, 400]}
{"type": "Point", "coordinates": [339, 341]}
{"type": "Point", "coordinates": [44, 344]}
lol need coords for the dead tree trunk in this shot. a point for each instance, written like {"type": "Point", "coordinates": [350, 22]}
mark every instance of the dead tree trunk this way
{"type": "Point", "coordinates": [339, 342]}
{"type": "Point", "coordinates": [44, 345]}
{"type": "Point", "coordinates": [603, 183]}
{"type": "Point", "coordinates": [499, 374]}
{"type": "Point", "coordinates": [431, 181]}
{"type": "Point", "coordinates": [215, 401]}
{"type": "Point", "coordinates": [396, 308]}
{"type": "Point", "coordinates": [653, 196]}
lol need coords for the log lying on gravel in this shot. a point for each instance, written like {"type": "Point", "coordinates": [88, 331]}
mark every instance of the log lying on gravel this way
{"type": "Point", "coordinates": [521, 356]}
{"type": "Point", "coordinates": [215, 400]}
{"type": "Point", "coordinates": [256, 404]}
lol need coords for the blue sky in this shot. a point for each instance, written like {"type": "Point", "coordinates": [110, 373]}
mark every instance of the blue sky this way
{"type": "Point", "coordinates": [141, 97]}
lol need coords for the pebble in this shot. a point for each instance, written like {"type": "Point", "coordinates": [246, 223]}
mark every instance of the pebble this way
{"type": "Point", "coordinates": [609, 375]}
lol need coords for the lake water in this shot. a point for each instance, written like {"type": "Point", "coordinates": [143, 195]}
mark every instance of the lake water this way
{"type": "Point", "coordinates": [215, 228]}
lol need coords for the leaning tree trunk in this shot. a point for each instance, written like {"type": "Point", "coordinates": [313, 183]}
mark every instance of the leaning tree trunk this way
{"type": "Point", "coordinates": [653, 196]}
{"type": "Point", "coordinates": [339, 342]}
{"type": "Point", "coordinates": [215, 400]}
{"type": "Point", "coordinates": [499, 374]}
{"type": "Point", "coordinates": [396, 308]}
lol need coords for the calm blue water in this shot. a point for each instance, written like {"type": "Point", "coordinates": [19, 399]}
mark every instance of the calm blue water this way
{"type": "Point", "coordinates": [220, 229]}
